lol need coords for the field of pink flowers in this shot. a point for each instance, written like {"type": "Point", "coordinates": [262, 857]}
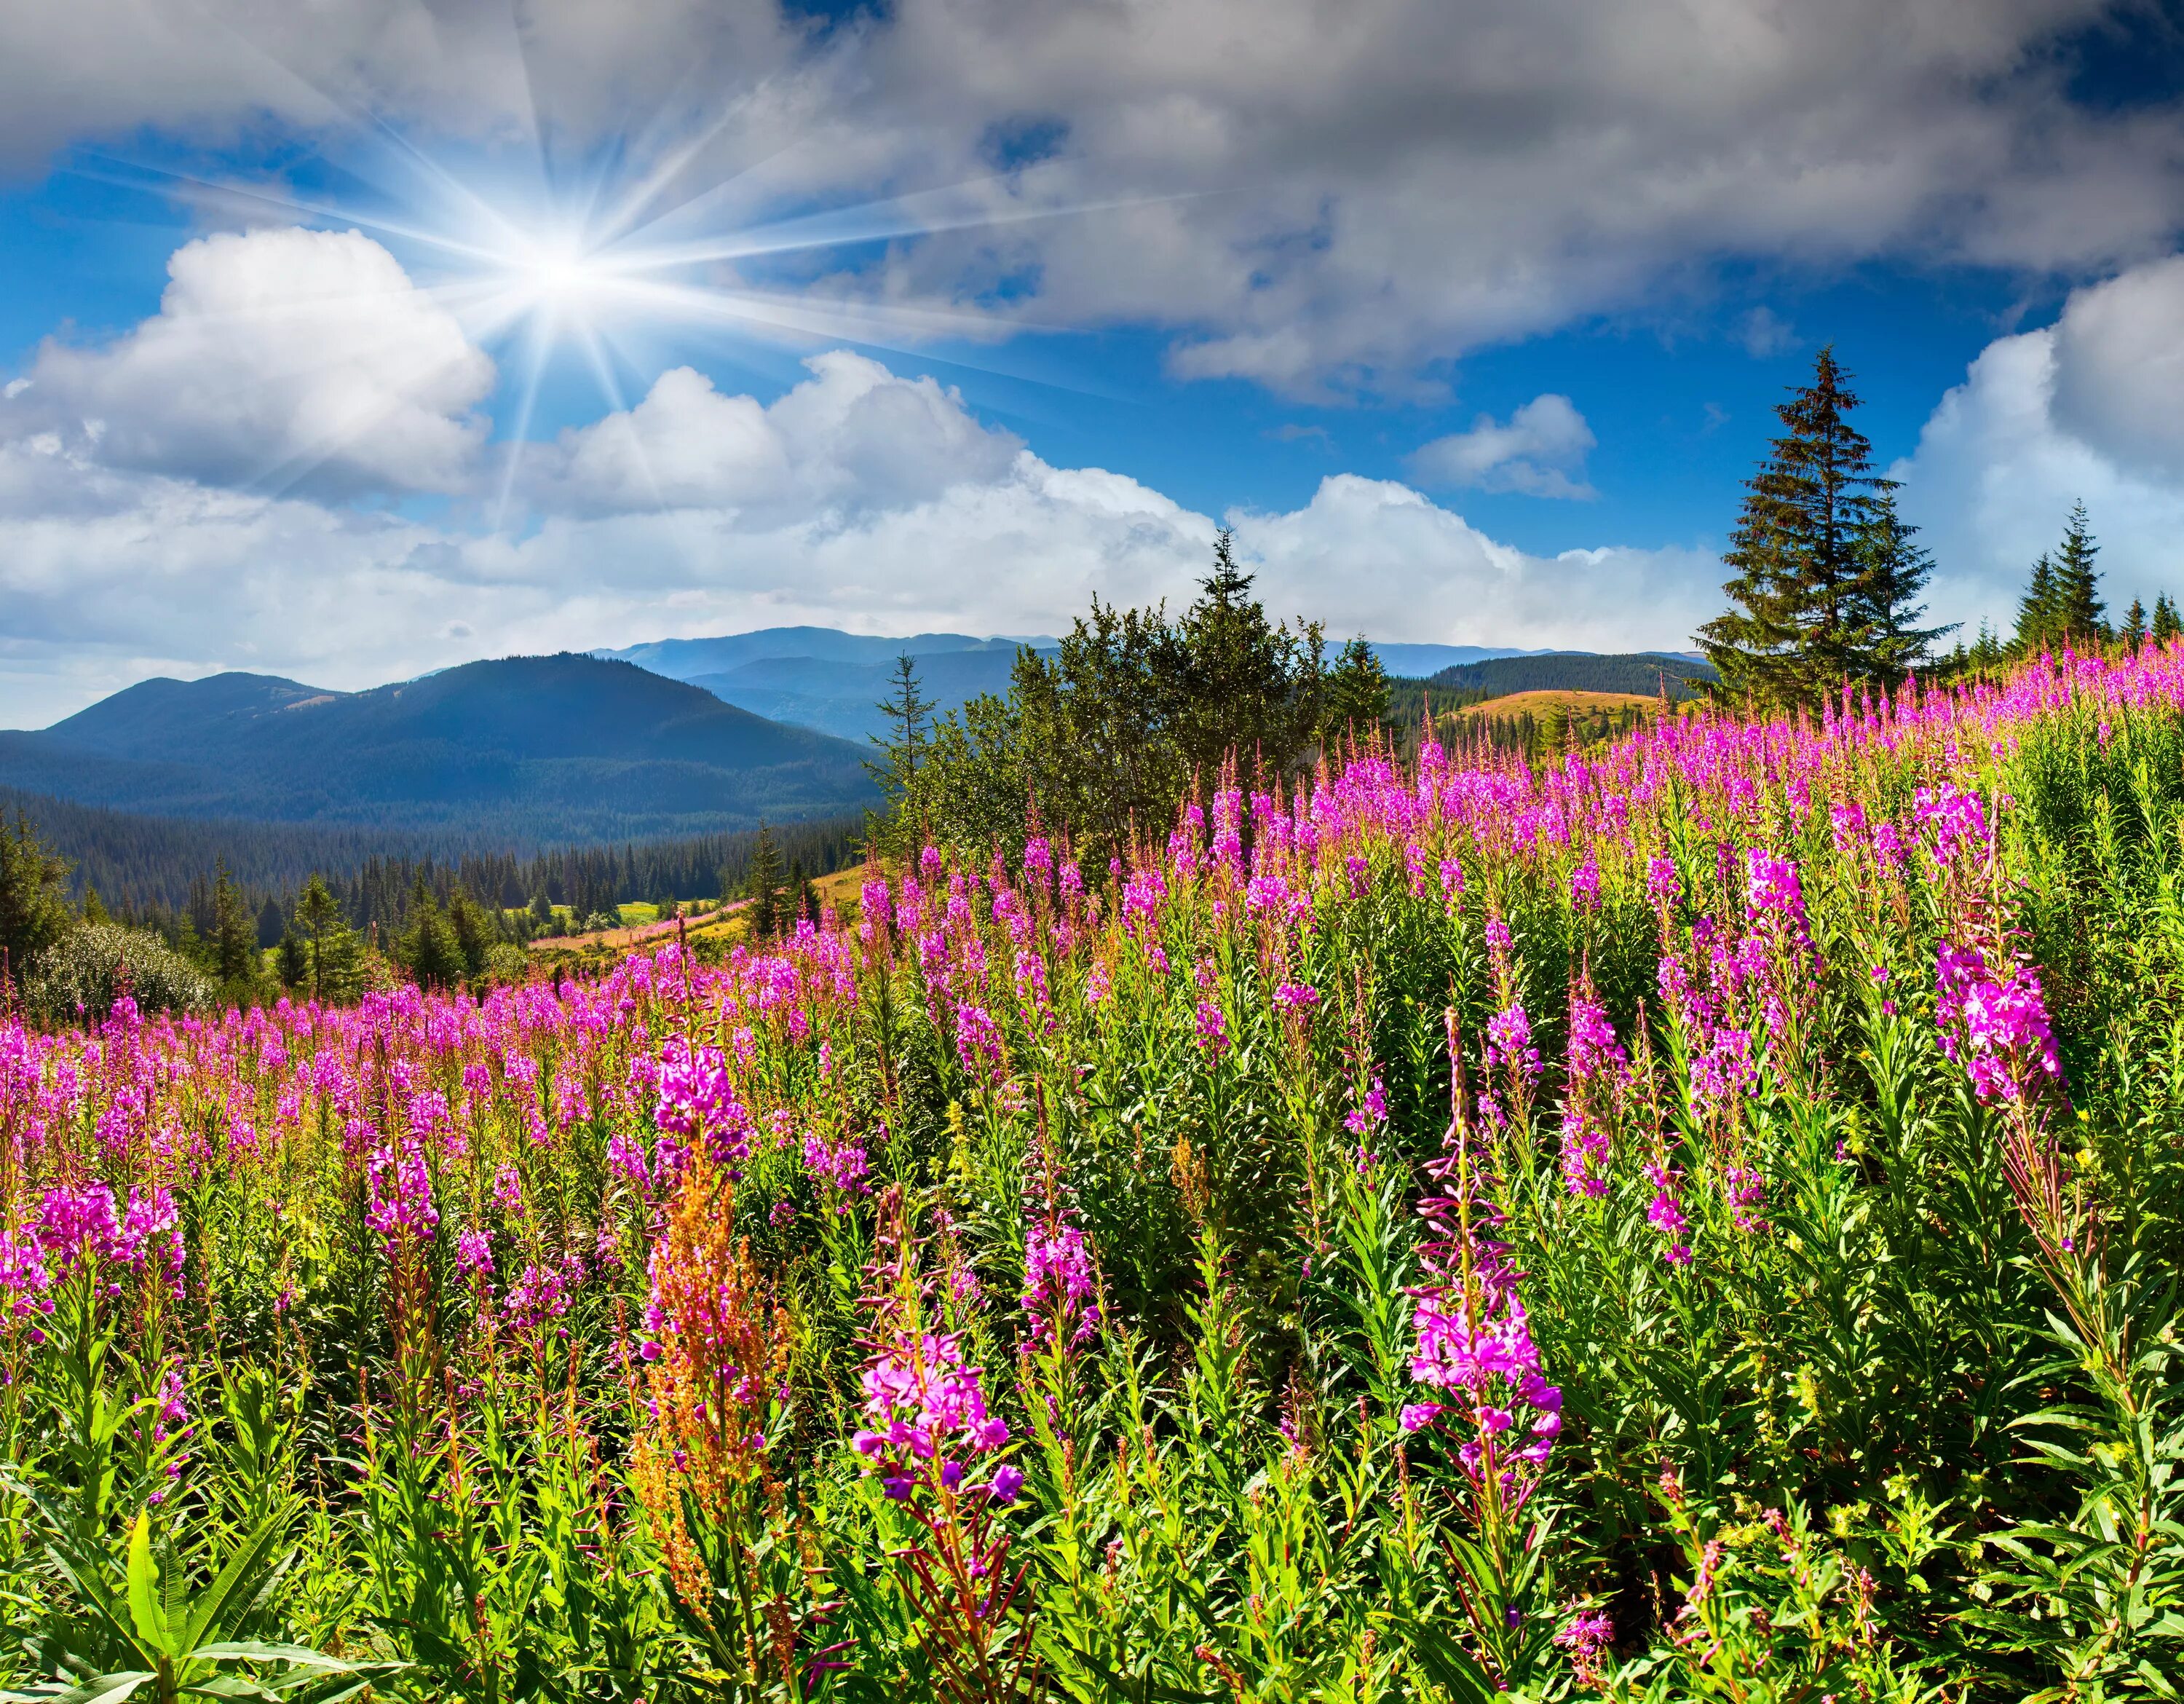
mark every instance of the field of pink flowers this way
{"type": "Point", "coordinates": [1699, 1221]}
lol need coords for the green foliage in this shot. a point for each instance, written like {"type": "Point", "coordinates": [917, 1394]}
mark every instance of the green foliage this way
{"type": "Point", "coordinates": [33, 910]}
{"type": "Point", "coordinates": [1825, 571]}
{"type": "Point", "coordinates": [1132, 712]}
{"type": "Point", "coordinates": [83, 972]}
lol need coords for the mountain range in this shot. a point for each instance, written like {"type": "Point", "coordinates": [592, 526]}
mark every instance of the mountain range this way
{"type": "Point", "coordinates": [822, 678]}
{"type": "Point", "coordinates": [529, 750]}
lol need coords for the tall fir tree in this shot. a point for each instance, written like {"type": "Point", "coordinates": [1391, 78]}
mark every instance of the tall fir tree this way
{"type": "Point", "coordinates": [2079, 611]}
{"type": "Point", "coordinates": [2036, 612]}
{"type": "Point", "coordinates": [234, 933]}
{"type": "Point", "coordinates": [2166, 624]}
{"type": "Point", "coordinates": [909, 714]}
{"type": "Point", "coordinates": [764, 885]}
{"type": "Point", "coordinates": [1892, 569]}
{"type": "Point", "coordinates": [1799, 623]}
{"type": "Point", "coordinates": [2133, 631]}
{"type": "Point", "coordinates": [1358, 693]}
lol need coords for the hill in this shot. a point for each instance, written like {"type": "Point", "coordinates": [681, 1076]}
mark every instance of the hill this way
{"type": "Point", "coordinates": [1642, 672]}
{"type": "Point", "coordinates": [524, 750]}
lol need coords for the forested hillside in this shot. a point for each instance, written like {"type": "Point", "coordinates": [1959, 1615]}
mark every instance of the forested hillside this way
{"type": "Point", "coordinates": [521, 751]}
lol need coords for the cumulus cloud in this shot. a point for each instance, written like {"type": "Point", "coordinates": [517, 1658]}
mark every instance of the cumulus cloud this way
{"type": "Point", "coordinates": [109, 574]}
{"type": "Point", "coordinates": [1540, 450]}
{"type": "Point", "coordinates": [288, 358]}
{"type": "Point", "coordinates": [2119, 368]}
{"type": "Point", "coordinates": [2044, 419]}
{"type": "Point", "coordinates": [853, 434]}
{"type": "Point", "coordinates": [1324, 204]}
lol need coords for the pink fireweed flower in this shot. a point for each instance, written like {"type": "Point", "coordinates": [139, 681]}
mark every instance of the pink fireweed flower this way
{"type": "Point", "coordinates": [978, 1040]}
{"type": "Point", "coordinates": [1664, 883]}
{"type": "Point", "coordinates": [1586, 1637]}
{"type": "Point", "coordinates": [844, 1164]}
{"type": "Point", "coordinates": [1212, 1029]}
{"type": "Point", "coordinates": [1584, 883]}
{"type": "Point", "coordinates": [400, 1184]}
{"type": "Point", "coordinates": [698, 1101]}
{"type": "Point", "coordinates": [1747, 1193]}
{"type": "Point", "coordinates": [1370, 1114]}
{"type": "Point", "coordinates": [1060, 1285]}
{"type": "Point", "coordinates": [1995, 1027]}
{"type": "Point", "coordinates": [474, 1254]}
{"type": "Point", "coordinates": [1666, 1215]}
{"type": "Point", "coordinates": [1509, 1042]}
{"type": "Point", "coordinates": [1585, 1156]}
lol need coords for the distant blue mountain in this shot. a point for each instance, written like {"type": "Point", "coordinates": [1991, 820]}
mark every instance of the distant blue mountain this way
{"type": "Point", "coordinates": [530, 750]}
{"type": "Point", "coordinates": [823, 679]}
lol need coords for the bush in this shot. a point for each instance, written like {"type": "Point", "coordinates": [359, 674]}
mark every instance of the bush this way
{"type": "Point", "coordinates": [82, 974]}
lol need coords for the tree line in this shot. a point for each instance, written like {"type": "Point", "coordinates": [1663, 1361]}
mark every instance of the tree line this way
{"type": "Point", "coordinates": [1135, 710]}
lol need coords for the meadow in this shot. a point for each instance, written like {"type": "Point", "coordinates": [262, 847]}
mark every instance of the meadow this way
{"type": "Point", "coordinates": [1699, 1219]}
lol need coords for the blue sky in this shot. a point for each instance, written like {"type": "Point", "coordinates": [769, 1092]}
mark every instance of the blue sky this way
{"type": "Point", "coordinates": [348, 345]}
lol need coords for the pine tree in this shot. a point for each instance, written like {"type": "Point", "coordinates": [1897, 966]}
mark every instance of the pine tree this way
{"type": "Point", "coordinates": [2166, 624]}
{"type": "Point", "coordinates": [764, 885]}
{"type": "Point", "coordinates": [1794, 629]}
{"type": "Point", "coordinates": [2078, 607]}
{"type": "Point", "coordinates": [234, 933]}
{"type": "Point", "coordinates": [1886, 643]}
{"type": "Point", "coordinates": [94, 907]}
{"type": "Point", "coordinates": [1358, 693]}
{"type": "Point", "coordinates": [2133, 633]}
{"type": "Point", "coordinates": [909, 715]}
{"type": "Point", "coordinates": [2037, 616]}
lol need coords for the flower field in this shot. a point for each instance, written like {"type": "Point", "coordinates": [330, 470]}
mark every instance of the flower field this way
{"type": "Point", "coordinates": [1700, 1221]}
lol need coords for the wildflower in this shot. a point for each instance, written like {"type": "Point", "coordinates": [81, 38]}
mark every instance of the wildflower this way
{"type": "Point", "coordinates": [1995, 1028]}
{"type": "Point", "coordinates": [1059, 1282]}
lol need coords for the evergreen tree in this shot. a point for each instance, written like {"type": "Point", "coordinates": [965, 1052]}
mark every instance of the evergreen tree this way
{"type": "Point", "coordinates": [2133, 633]}
{"type": "Point", "coordinates": [271, 925]}
{"type": "Point", "coordinates": [764, 885]}
{"type": "Point", "coordinates": [909, 715]}
{"type": "Point", "coordinates": [94, 907]}
{"type": "Point", "coordinates": [1358, 693]}
{"type": "Point", "coordinates": [235, 957]}
{"type": "Point", "coordinates": [2078, 607]}
{"type": "Point", "coordinates": [2037, 614]}
{"type": "Point", "coordinates": [2166, 624]}
{"type": "Point", "coordinates": [291, 962]}
{"type": "Point", "coordinates": [1802, 598]}
{"type": "Point", "coordinates": [34, 910]}
{"type": "Point", "coordinates": [428, 948]}
{"type": "Point", "coordinates": [541, 911]}
{"type": "Point", "coordinates": [1885, 642]}
{"type": "Point", "coordinates": [1235, 683]}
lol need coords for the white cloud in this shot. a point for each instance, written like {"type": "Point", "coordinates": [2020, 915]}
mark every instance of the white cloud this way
{"type": "Point", "coordinates": [283, 358]}
{"type": "Point", "coordinates": [1325, 202]}
{"type": "Point", "coordinates": [111, 574]}
{"type": "Point", "coordinates": [2048, 418]}
{"type": "Point", "coordinates": [2119, 368]}
{"type": "Point", "coordinates": [854, 435]}
{"type": "Point", "coordinates": [1540, 452]}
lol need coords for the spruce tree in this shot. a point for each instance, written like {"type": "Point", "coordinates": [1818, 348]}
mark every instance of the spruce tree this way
{"type": "Point", "coordinates": [2133, 633]}
{"type": "Point", "coordinates": [1795, 627]}
{"type": "Point", "coordinates": [764, 884]}
{"type": "Point", "coordinates": [909, 714]}
{"type": "Point", "coordinates": [1885, 642]}
{"type": "Point", "coordinates": [1357, 694]}
{"type": "Point", "coordinates": [2038, 615]}
{"type": "Point", "coordinates": [2166, 624]}
{"type": "Point", "coordinates": [2078, 607]}
{"type": "Point", "coordinates": [234, 933]}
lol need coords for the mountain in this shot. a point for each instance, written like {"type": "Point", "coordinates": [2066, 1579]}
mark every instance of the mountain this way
{"type": "Point", "coordinates": [823, 679]}
{"type": "Point", "coordinates": [1575, 670]}
{"type": "Point", "coordinates": [530, 750]}
{"type": "Point", "coordinates": [686, 659]}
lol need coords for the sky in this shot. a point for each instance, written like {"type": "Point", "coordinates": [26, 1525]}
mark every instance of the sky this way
{"type": "Point", "coordinates": [348, 340]}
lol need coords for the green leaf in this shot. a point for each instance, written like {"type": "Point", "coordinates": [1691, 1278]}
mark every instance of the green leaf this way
{"type": "Point", "coordinates": [206, 1613]}
{"type": "Point", "coordinates": [144, 1588]}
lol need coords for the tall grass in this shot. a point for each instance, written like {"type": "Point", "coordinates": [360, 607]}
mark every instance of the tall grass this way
{"type": "Point", "coordinates": [1700, 1221]}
